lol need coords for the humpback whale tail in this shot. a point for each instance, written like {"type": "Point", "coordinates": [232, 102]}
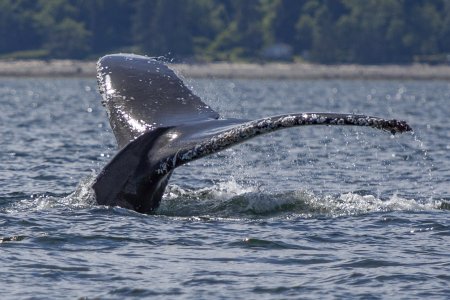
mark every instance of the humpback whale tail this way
{"type": "Point", "coordinates": [159, 124]}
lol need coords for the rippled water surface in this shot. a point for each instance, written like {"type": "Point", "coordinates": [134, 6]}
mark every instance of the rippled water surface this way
{"type": "Point", "coordinates": [321, 212]}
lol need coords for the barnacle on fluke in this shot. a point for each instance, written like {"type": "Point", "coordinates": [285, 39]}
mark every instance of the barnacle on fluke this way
{"type": "Point", "coordinates": [159, 124]}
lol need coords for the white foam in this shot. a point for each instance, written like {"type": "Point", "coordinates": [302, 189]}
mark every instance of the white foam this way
{"type": "Point", "coordinates": [231, 198]}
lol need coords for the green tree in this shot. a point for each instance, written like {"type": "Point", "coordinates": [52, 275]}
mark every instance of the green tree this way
{"type": "Point", "coordinates": [242, 36]}
{"type": "Point", "coordinates": [325, 31]}
{"type": "Point", "coordinates": [316, 32]}
{"type": "Point", "coordinates": [68, 39]}
{"type": "Point", "coordinates": [18, 30]}
{"type": "Point", "coordinates": [207, 18]}
{"type": "Point", "coordinates": [372, 31]}
{"type": "Point", "coordinates": [279, 20]}
{"type": "Point", "coordinates": [162, 27]}
{"type": "Point", "coordinates": [108, 22]}
{"type": "Point", "coordinates": [63, 35]}
{"type": "Point", "coordinates": [424, 24]}
{"type": "Point", "coordinates": [444, 31]}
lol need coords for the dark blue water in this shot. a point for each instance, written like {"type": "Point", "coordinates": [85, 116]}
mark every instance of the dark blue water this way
{"type": "Point", "coordinates": [305, 213]}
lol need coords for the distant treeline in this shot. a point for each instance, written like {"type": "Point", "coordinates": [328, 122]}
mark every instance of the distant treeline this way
{"type": "Point", "coordinates": [324, 31]}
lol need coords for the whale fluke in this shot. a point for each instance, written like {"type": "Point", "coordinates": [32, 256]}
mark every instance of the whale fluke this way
{"type": "Point", "coordinates": [141, 94]}
{"type": "Point", "coordinates": [159, 125]}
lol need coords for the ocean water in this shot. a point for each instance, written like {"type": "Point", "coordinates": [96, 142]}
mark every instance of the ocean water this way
{"type": "Point", "coordinates": [304, 213]}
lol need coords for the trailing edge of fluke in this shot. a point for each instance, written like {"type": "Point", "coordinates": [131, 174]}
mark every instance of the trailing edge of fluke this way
{"type": "Point", "coordinates": [159, 125]}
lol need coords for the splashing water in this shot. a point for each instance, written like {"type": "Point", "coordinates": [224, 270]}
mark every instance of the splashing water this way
{"type": "Point", "coordinates": [346, 213]}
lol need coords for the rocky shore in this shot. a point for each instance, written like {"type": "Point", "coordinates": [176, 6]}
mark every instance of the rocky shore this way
{"type": "Point", "coordinates": [73, 68]}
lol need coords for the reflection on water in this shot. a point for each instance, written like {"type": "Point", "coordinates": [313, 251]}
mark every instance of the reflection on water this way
{"type": "Point", "coordinates": [305, 212]}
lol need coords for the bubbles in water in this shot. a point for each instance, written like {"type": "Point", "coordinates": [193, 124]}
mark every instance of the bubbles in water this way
{"type": "Point", "coordinates": [233, 200]}
{"type": "Point", "coordinates": [82, 197]}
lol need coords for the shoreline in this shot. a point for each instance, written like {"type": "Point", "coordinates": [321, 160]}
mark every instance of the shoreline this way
{"type": "Point", "coordinates": [75, 68]}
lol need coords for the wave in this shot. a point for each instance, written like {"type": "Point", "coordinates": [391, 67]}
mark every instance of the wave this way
{"type": "Point", "coordinates": [231, 199]}
{"type": "Point", "coordinates": [83, 197]}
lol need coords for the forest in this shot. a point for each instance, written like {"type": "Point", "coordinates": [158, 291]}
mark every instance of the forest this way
{"type": "Point", "coordinates": [320, 31]}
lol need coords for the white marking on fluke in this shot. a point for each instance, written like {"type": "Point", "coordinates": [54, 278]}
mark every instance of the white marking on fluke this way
{"type": "Point", "coordinates": [160, 124]}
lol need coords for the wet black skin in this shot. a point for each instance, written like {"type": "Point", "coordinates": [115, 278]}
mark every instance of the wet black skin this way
{"type": "Point", "coordinates": [159, 125]}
